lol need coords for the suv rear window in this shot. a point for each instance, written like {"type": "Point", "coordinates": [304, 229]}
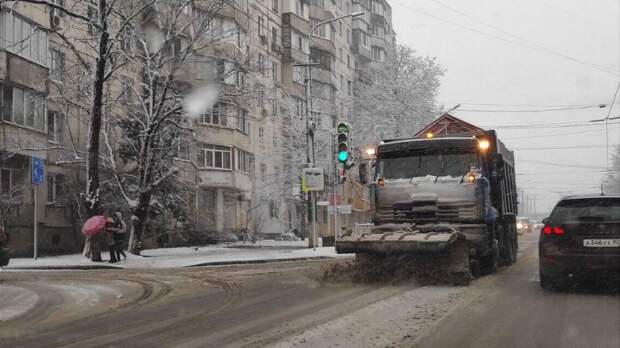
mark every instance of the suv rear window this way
{"type": "Point", "coordinates": [588, 209]}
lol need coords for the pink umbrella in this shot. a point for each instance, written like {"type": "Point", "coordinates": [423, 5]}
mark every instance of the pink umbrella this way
{"type": "Point", "coordinates": [94, 225]}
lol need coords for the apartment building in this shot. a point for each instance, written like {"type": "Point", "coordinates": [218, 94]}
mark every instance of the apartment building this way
{"type": "Point", "coordinates": [245, 155]}
{"type": "Point", "coordinates": [36, 127]}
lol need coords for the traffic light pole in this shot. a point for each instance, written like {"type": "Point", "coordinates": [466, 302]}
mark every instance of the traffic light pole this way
{"type": "Point", "coordinates": [334, 186]}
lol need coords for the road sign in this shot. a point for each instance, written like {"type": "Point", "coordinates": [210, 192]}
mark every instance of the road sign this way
{"type": "Point", "coordinates": [344, 209]}
{"type": "Point", "coordinates": [37, 171]}
{"type": "Point", "coordinates": [312, 179]}
{"type": "Point", "coordinates": [322, 203]}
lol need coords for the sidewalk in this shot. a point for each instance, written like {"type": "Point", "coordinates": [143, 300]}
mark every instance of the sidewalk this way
{"type": "Point", "coordinates": [236, 253]}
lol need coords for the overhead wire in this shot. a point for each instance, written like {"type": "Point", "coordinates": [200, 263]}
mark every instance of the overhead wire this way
{"type": "Point", "coordinates": [530, 46]}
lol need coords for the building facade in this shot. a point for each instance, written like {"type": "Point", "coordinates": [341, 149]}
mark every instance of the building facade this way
{"type": "Point", "coordinates": [246, 153]}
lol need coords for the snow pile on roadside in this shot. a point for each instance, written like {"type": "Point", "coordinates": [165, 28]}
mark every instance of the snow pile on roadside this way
{"type": "Point", "coordinates": [180, 257]}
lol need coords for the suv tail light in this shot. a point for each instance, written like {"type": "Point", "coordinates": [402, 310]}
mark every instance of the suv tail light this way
{"type": "Point", "coordinates": [555, 230]}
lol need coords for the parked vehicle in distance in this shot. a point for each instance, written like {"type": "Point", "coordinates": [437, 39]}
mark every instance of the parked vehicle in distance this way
{"type": "Point", "coordinates": [582, 236]}
{"type": "Point", "coordinates": [523, 225]}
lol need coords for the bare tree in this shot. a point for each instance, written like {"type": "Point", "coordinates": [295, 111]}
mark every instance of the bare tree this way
{"type": "Point", "coordinates": [612, 179]}
{"type": "Point", "coordinates": [142, 133]}
{"type": "Point", "coordinates": [397, 97]}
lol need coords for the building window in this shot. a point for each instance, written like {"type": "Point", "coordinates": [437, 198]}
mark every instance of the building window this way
{"type": "Point", "coordinates": [274, 107]}
{"type": "Point", "coordinates": [263, 171]}
{"type": "Point", "coordinates": [261, 63]}
{"type": "Point", "coordinates": [300, 8]}
{"type": "Point", "coordinates": [214, 156]}
{"type": "Point", "coordinates": [55, 127]}
{"type": "Point", "coordinates": [261, 98]}
{"type": "Point", "coordinates": [242, 121]}
{"type": "Point", "coordinates": [275, 5]}
{"type": "Point", "coordinates": [11, 180]}
{"type": "Point", "coordinates": [55, 187]}
{"type": "Point", "coordinates": [274, 209]}
{"type": "Point", "coordinates": [261, 134]}
{"type": "Point", "coordinates": [261, 26]}
{"type": "Point", "coordinates": [217, 115]}
{"type": "Point", "coordinates": [23, 38]}
{"type": "Point", "coordinates": [378, 53]}
{"type": "Point", "coordinates": [320, 30]}
{"type": "Point", "coordinates": [57, 65]}
{"type": "Point", "coordinates": [23, 107]}
{"type": "Point", "coordinates": [181, 148]}
{"type": "Point", "coordinates": [274, 70]}
{"type": "Point", "coordinates": [245, 161]}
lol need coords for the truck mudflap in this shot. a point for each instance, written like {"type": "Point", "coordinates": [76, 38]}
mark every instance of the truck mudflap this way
{"type": "Point", "coordinates": [400, 238]}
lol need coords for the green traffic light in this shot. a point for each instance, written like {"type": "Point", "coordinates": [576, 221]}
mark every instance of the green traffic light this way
{"type": "Point", "coordinates": [343, 156]}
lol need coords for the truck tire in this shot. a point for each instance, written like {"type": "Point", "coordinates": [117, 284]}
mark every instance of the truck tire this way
{"type": "Point", "coordinates": [490, 262]}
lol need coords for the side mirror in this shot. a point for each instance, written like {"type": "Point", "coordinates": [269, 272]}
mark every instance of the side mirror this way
{"type": "Point", "coordinates": [546, 220]}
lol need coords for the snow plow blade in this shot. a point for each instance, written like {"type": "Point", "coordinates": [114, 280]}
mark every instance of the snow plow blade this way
{"type": "Point", "coordinates": [440, 251]}
{"type": "Point", "coordinates": [392, 239]}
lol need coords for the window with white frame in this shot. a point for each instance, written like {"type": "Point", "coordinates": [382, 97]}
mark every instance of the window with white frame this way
{"type": "Point", "coordinates": [245, 161]}
{"type": "Point", "coordinates": [57, 64]}
{"type": "Point", "coordinates": [55, 127]}
{"type": "Point", "coordinates": [300, 8]}
{"type": "Point", "coordinates": [378, 53]}
{"type": "Point", "coordinates": [55, 187]}
{"type": "Point", "coordinates": [10, 180]}
{"type": "Point", "coordinates": [23, 38]}
{"type": "Point", "coordinates": [23, 107]}
{"type": "Point", "coordinates": [242, 121]}
{"type": "Point", "coordinates": [217, 115]}
{"type": "Point", "coordinates": [214, 156]}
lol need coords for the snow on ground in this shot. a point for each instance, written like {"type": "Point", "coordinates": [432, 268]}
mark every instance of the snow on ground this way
{"type": "Point", "coordinates": [395, 322]}
{"type": "Point", "coordinates": [184, 257]}
{"type": "Point", "coordinates": [14, 301]}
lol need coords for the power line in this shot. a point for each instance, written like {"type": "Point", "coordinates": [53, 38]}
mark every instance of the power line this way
{"type": "Point", "coordinates": [533, 47]}
{"type": "Point", "coordinates": [539, 110]}
{"type": "Point", "coordinates": [547, 125]}
{"type": "Point", "coordinates": [560, 147]}
{"type": "Point", "coordinates": [554, 134]}
{"type": "Point", "coordinates": [561, 164]}
{"type": "Point", "coordinates": [522, 105]}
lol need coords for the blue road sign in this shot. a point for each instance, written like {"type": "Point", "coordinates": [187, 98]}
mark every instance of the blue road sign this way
{"type": "Point", "coordinates": [37, 171]}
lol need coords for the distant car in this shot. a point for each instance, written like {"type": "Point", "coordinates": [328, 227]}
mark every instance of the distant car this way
{"type": "Point", "coordinates": [523, 225]}
{"type": "Point", "coordinates": [582, 236]}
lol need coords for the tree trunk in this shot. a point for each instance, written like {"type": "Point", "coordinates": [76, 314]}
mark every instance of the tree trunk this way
{"type": "Point", "coordinates": [138, 223]}
{"type": "Point", "coordinates": [92, 202]}
{"type": "Point", "coordinates": [92, 196]}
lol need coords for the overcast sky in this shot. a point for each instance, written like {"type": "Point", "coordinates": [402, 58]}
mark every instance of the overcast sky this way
{"type": "Point", "coordinates": [527, 55]}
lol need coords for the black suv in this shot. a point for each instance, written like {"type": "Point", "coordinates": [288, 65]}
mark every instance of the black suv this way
{"type": "Point", "coordinates": [581, 236]}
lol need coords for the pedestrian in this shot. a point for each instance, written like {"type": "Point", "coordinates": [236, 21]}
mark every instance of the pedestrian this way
{"type": "Point", "coordinates": [120, 229]}
{"type": "Point", "coordinates": [109, 235]}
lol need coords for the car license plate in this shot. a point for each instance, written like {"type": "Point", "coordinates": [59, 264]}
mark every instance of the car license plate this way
{"type": "Point", "coordinates": [601, 243]}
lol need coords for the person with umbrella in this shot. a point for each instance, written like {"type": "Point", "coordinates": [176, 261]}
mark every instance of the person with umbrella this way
{"type": "Point", "coordinates": [94, 230]}
{"type": "Point", "coordinates": [109, 237]}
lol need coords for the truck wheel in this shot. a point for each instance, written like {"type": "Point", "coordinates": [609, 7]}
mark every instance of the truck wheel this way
{"type": "Point", "coordinates": [490, 262]}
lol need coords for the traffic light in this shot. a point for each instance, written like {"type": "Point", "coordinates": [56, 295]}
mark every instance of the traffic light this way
{"type": "Point", "coordinates": [343, 142]}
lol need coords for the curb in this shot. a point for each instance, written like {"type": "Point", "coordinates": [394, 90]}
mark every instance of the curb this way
{"type": "Point", "coordinates": [249, 262]}
{"type": "Point", "coordinates": [61, 268]}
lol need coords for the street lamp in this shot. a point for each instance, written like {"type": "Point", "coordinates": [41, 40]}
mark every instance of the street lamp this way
{"type": "Point", "coordinates": [308, 65]}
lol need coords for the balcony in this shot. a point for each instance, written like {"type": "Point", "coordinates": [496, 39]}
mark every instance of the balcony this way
{"type": "Point", "coordinates": [224, 179]}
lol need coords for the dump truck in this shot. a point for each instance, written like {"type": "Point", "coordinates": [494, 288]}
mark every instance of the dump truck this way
{"type": "Point", "coordinates": [448, 201]}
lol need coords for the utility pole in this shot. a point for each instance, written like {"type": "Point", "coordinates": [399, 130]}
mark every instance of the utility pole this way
{"type": "Point", "coordinates": [310, 137]}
